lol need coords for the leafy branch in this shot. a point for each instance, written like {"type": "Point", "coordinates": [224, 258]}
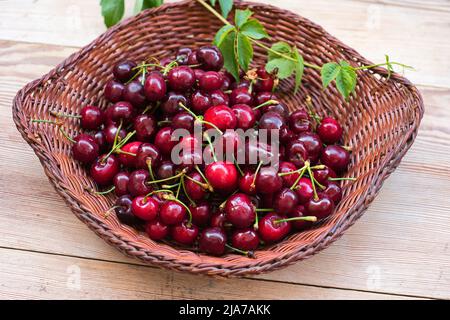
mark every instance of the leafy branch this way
{"type": "Point", "coordinates": [113, 10]}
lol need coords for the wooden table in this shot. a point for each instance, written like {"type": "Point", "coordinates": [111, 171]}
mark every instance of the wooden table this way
{"type": "Point", "coordinates": [399, 249]}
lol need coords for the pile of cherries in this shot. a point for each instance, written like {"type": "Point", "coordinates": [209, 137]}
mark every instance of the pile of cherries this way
{"type": "Point", "coordinates": [212, 207]}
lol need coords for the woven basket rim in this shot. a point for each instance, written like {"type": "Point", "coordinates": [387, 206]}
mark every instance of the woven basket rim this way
{"type": "Point", "coordinates": [151, 256]}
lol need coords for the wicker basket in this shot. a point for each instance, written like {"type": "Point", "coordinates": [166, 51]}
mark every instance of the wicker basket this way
{"type": "Point", "coordinates": [380, 124]}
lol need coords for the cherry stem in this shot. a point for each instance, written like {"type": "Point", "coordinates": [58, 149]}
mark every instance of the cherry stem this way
{"type": "Point", "coordinates": [169, 178]}
{"type": "Point", "coordinates": [264, 210]}
{"type": "Point", "coordinates": [206, 136]}
{"type": "Point", "coordinates": [115, 149]}
{"type": "Point", "coordinates": [307, 218]}
{"type": "Point", "coordinates": [201, 184]}
{"type": "Point", "coordinates": [64, 115]}
{"type": "Point", "coordinates": [311, 111]}
{"type": "Point", "coordinates": [59, 125]}
{"type": "Point", "coordinates": [237, 166]}
{"type": "Point", "coordinates": [222, 205]}
{"type": "Point", "coordinates": [204, 178]}
{"type": "Point", "coordinates": [185, 191]}
{"type": "Point", "coordinates": [342, 179]}
{"type": "Point", "coordinates": [150, 169]}
{"type": "Point", "coordinates": [127, 153]}
{"type": "Point", "coordinates": [170, 186]}
{"type": "Point", "coordinates": [347, 148]}
{"type": "Point", "coordinates": [267, 103]}
{"type": "Point", "coordinates": [256, 224]}
{"type": "Point", "coordinates": [199, 118]}
{"type": "Point", "coordinates": [163, 122]}
{"type": "Point", "coordinates": [249, 254]}
{"type": "Point", "coordinates": [172, 198]}
{"type": "Point", "coordinates": [294, 185]}
{"type": "Point", "coordinates": [104, 192]}
{"type": "Point", "coordinates": [256, 174]}
{"type": "Point", "coordinates": [313, 180]}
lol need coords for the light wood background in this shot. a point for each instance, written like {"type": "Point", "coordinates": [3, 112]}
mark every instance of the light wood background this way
{"type": "Point", "coordinates": [399, 249]}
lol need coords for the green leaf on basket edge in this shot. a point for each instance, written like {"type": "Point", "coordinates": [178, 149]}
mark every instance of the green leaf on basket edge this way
{"type": "Point", "coordinates": [140, 5]}
{"type": "Point", "coordinates": [244, 51]}
{"type": "Point", "coordinates": [299, 68]}
{"type": "Point", "coordinates": [241, 17]}
{"type": "Point", "coordinates": [227, 47]}
{"type": "Point", "coordinates": [225, 7]}
{"type": "Point", "coordinates": [254, 29]}
{"type": "Point", "coordinates": [112, 11]}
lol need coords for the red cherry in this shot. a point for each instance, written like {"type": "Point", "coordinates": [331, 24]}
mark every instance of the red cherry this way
{"type": "Point", "coordinates": [91, 117]}
{"type": "Point", "coordinates": [194, 190]}
{"type": "Point", "coordinates": [147, 152]}
{"type": "Point", "coordinates": [321, 207]}
{"type": "Point", "coordinates": [171, 104]}
{"type": "Point", "coordinates": [245, 239]}
{"type": "Point", "coordinates": [134, 93]}
{"type": "Point", "coordinates": [288, 180]}
{"type": "Point", "coordinates": [268, 181]}
{"type": "Point", "coordinates": [285, 201]}
{"type": "Point", "coordinates": [138, 183]}
{"type": "Point", "coordinates": [184, 233]}
{"type": "Point", "coordinates": [241, 96]}
{"type": "Point", "coordinates": [85, 149]}
{"type": "Point", "coordinates": [210, 58]}
{"type": "Point", "coordinates": [155, 86]}
{"type": "Point", "coordinates": [329, 130]}
{"type": "Point", "coordinates": [114, 91]}
{"type": "Point", "coordinates": [210, 80]}
{"type": "Point", "coordinates": [212, 241]}
{"type": "Point", "coordinates": [122, 208]}
{"type": "Point", "coordinates": [299, 121]}
{"type": "Point", "coordinates": [110, 132]}
{"type": "Point", "coordinates": [240, 211]}
{"type": "Point", "coordinates": [272, 231]}
{"type": "Point", "coordinates": [304, 190]}
{"type": "Point", "coordinates": [265, 81]}
{"type": "Point", "coordinates": [333, 191]}
{"type": "Point", "coordinates": [163, 141]}
{"type": "Point", "coordinates": [200, 102]}
{"type": "Point", "coordinates": [120, 182]}
{"type": "Point", "coordinates": [183, 120]}
{"type": "Point", "coordinates": [221, 116]}
{"type": "Point", "coordinates": [245, 116]}
{"type": "Point", "coordinates": [246, 182]}
{"type": "Point", "coordinates": [222, 176]}
{"type": "Point", "coordinates": [218, 97]}
{"type": "Point", "coordinates": [104, 169]}
{"type": "Point", "coordinates": [145, 126]}
{"type": "Point", "coordinates": [322, 175]}
{"type": "Point", "coordinates": [181, 78]}
{"type": "Point", "coordinates": [126, 159]}
{"type": "Point", "coordinates": [335, 157]}
{"type": "Point", "coordinates": [261, 97]}
{"type": "Point", "coordinates": [156, 230]}
{"type": "Point", "coordinates": [218, 220]}
{"type": "Point", "coordinates": [312, 143]}
{"type": "Point", "coordinates": [296, 153]}
{"type": "Point", "coordinates": [201, 213]}
{"type": "Point", "coordinates": [298, 212]}
{"type": "Point", "coordinates": [172, 213]}
{"type": "Point", "coordinates": [183, 55]}
{"type": "Point", "coordinates": [124, 70]}
{"type": "Point", "coordinates": [145, 208]}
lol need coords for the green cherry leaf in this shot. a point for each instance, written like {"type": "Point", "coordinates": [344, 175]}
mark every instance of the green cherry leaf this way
{"type": "Point", "coordinates": [222, 33]}
{"type": "Point", "coordinates": [241, 17]}
{"type": "Point", "coordinates": [346, 81]}
{"type": "Point", "coordinates": [244, 50]}
{"type": "Point", "coordinates": [229, 54]}
{"type": "Point", "coordinates": [140, 5]}
{"type": "Point", "coordinates": [213, 2]}
{"type": "Point", "coordinates": [329, 72]}
{"type": "Point", "coordinates": [112, 11]}
{"type": "Point", "coordinates": [285, 67]}
{"type": "Point", "coordinates": [254, 29]}
{"type": "Point", "coordinates": [299, 68]}
{"type": "Point", "coordinates": [281, 47]}
{"type": "Point", "coordinates": [225, 6]}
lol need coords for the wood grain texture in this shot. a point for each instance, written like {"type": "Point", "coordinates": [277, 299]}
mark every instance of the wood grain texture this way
{"type": "Point", "coordinates": [400, 246]}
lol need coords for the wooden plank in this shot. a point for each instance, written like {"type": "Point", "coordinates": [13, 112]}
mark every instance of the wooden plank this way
{"type": "Point", "coordinates": [400, 246]}
{"type": "Point", "coordinates": [403, 29]}
{"type": "Point", "coordinates": [28, 275]}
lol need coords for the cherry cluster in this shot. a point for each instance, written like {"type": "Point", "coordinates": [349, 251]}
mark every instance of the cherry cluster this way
{"type": "Point", "coordinates": [222, 205]}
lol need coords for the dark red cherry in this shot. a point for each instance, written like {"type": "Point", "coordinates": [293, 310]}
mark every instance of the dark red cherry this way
{"type": "Point", "coordinates": [192, 59]}
{"type": "Point", "coordinates": [321, 207]}
{"type": "Point", "coordinates": [245, 116]}
{"type": "Point", "coordinates": [156, 230]}
{"type": "Point", "coordinates": [299, 121]}
{"type": "Point", "coordinates": [100, 138]}
{"type": "Point", "coordinates": [171, 104]}
{"type": "Point", "coordinates": [183, 55]}
{"type": "Point", "coordinates": [322, 175]}
{"type": "Point", "coordinates": [120, 182]}
{"type": "Point", "coordinates": [298, 212]}
{"type": "Point", "coordinates": [91, 117]}
{"type": "Point", "coordinates": [200, 102]}
{"type": "Point", "coordinates": [329, 130]}
{"type": "Point", "coordinates": [241, 96]}
{"type": "Point", "coordinates": [222, 175]}
{"type": "Point", "coordinates": [128, 159]}
{"type": "Point", "coordinates": [147, 152]}
{"type": "Point", "coordinates": [145, 126]}
{"type": "Point", "coordinates": [165, 170]}
{"type": "Point", "coordinates": [333, 191]}
{"type": "Point", "coordinates": [288, 180]}
{"type": "Point", "coordinates": [104, 169]}
{"type": "Point", "coordinates": [296, 153]}
{"type": "Point", "coordinates": [285, 201]}
{"type": "Point", "coordinates": [138, 183]}
{"type": "Point", "coordinates": [210, 80]}
{"type": "Point", "coordinates": [194, 190]}
{"type": "Point", "coordinates": [218, 97]}
{"type": "Point", "coordinates": [335, 157]}
{"type": "Point", "coordinates": [184, 233]}
{"type": "Point", "coordinates": [85, 149]}
{"type": "Point", "coordinates": [122, 208]}
{"type": "Point", "coordinates": [134, 93]}
{"type": "Point", "coordinates": [227, 80]}
{"type": "Point", "coordinates": [181, 78]}
{"type": "Point", "coordinates": [155, 86]}
{"type": "Point", "coordinates": [210, 58]}
{"type": "Point", "coordinates": [212, 241]}
{"type": "Point", "coordinates": [121, 110]}
{"type": "Point", "coordinates": [114, 91]}
{"type": "Point", "coordinates": [183, 120]}
{"type": "Point", "coordinates": [261, 97]}
{"type": "Point", "coordinates": [271, 121]}
{"type": "Point", "coordinates": [221, 116]}
{"type": "Point", "coordinates": [245, 239]}
{"type": "Point", "coordinates": [239, 210]}
{"type": "Point", "coordinates": [268, 181]}
{"type": "Point", "coordinates": [241, 84]}
{"type": "Point", "coordinates": [270, 230]}
{"type": "Point", "coordinates": [279, 108]}
{"type": "Point", "coordinates": [163, 141]}
{"type": "Point", "coordinates": [265, 81]}
{"type": "Point", "coordinates": [304, 190]}
{"type": "Point", "coordinates": [123, 71]}
{"type": "Point", "coordinates": [246, 182]}
{"type": "Point", "coordinates": [145, 208]}
{"type": "Point", "coordinates": [312, 143]}
{"type": "Point", "coordinates": [218, 220]}
{"type": "Point", "coordinates": [172, 213]}
{"type": "Point", "coordinates": [201, 213]}
{"type": "Point", "coordinates": [110, 132]}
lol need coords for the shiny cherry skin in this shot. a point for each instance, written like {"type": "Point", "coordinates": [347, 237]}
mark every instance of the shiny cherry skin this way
{"type": "Point", "coordinates": [239, 210]}
{"type": "Point", "coordinates": [183, 55]}
{"type": "Point", "coordinates": [304, 190]}
{"type": "Point", "coordinates": [245, 239]}
{"type": "Point", "coordinates": [210, 58]}
{"type": "Point", "coordinates": [145, 208]}
{"type": "Point", "coordinates": [227, 80]}
{"type": "Point", "coordinates": [218, 220]}
{"type": "Point", "coordinates": [222, 116]}
{"type": "Point", "coordinates": [312, 143]}
{"type": "Point", "coordinates": [261, 97]}
{"type": "Point", "coordinates": [218, 97]}
{"type": "Point", "coordinates": [100, 138]}
{"type": "Point", "coordinates": [270, 230]}
{"type": "Point", "coordinates": [322, 175]}
{"type": "Point", "coordinates": [201, 213]}
{"type": "Point", "coordinates": [241, 84]}
{"type": "Point", "coordinates": [104, 169]}
{"type": "Point", "coordinates": [147, 152]}
{"type": "Point", "coordinates": [285, 167]}
{"type": "Point", "coordinates": [222, 176]}
{"type": "Point", "coordinates": [279, 108]}
{"type": "Point", "coordinates": [120, 182]}
{"type": "Point", "coordinates": [129, 160]}
{"type": "Point", "coordinates": [212, 241]}
{"type": "Point", "coordinates": [134, 93]}
{"type": "Point", "coordinates": [145, 126]}
{"type": "Point", "coordinates": [137, 185]}
{"type": "Point", "coordinates": [120, 111]}
{"type": "Point", "coordinates": [195, 191]}
{"type": "Point", "coordinates": [334, 191]}
{"type": "Point", "coordinates": [299, 121]}
{"type": "Point", "coordinates": [184, 233]}
{"type": "Point", "coordinates": [156, 230]}
{"type": "Point", "coordinates": [268, 181]}
{"type": "Point", "coordinates": [298, 212]}
{"type": "Point", "coordinates": [210, 80]}
{"type": "Point", "coordinates": [241, 96]}
{"type": "Point", "coordinates": [296, 153]}
{"type": "Point", "coordinates": [271, 121]}
{"type": "Point", "coordinates": [172, 213]}
{"type": "Point", "coordinates": [122, 208]}
{"type": "Point", "coordinates": [165, 170]}
{"type": "Point", "coordinates": [183, 120]}
{"type": "Point", "coordinates": [200, 102]}
{"type": "Point", "coordinates": [329, 130]}
{"type": "Point", "coordinates": [245, 116]}
{"type": "Point", "coordinates": [265, 81]}
{"type": "Point", "coordinates": [163, 141]}
{"type": "Point", "coordinates": [246, 182]}
{"type": "Point", "coordinates": [123, 71]}
{"type": "Point", "coordinates": [155, 86]}
{"type": "Point", "coordinates": [91, 117]}
{"type": "Point", "coordinates": [114, 91]}
{"type": "Point", "coordinates": [321, 207]}
{"type": "Point", "coordinates": [85, 149]}
{"type": "Point", "coordinates": [285, 201]}
{"type": "Point", "coordinates": [171, 104]}
{"type": "Point", "coordinates": [198, 74]}
{"type": "Point", "coordinates": [192, 58]}
{"type": "Point", "coordinates": [181, 78]}
{"type": "Point", "coordinates": [335, 157]}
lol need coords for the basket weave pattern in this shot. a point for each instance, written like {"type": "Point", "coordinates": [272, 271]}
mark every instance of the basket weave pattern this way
{"type": "Point", "coordinates": [380, 124]}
